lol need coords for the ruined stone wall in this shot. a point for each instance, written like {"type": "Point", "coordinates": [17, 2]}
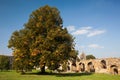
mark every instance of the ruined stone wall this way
{"type": "Point", "coordinates": [105, 65]}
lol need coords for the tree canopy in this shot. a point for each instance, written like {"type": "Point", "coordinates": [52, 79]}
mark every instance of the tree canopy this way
{"type": "Point", "coordinates": [90, 57]}
{"type": "Point", "coordinates": [42, 42]}
{"type": "Point", "coordinates": [4, 62]}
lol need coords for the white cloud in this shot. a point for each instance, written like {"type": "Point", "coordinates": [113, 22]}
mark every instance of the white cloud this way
{"type": "Point", "coordinates": [95, 32]}
{"type": "Point", "coordinates": [87, 28]}
{"type": "Point", "coordinates": [71, 28]}
{"type": "Point", "coordinates": [83, 30]}
{"type": "Point", "coordinates": [86, 31]}
{"type": "Point", "coordinates": [95, 46]}
{"type": "Point", "coordinates": [80, 32]}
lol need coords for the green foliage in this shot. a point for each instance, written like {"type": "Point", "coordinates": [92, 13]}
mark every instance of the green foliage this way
{"type": "Point", "coordinates": [90, 57]}
{"type": "Point", "coordinates": [42, 42]}
{"type": "Point", "coordinates": [4, 62]}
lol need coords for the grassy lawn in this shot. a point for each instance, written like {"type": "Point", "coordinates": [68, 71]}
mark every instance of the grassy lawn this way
{"type": "Point", "coordinates": [12, 75]}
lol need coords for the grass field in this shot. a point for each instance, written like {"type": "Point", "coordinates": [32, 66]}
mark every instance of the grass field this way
{"type": "Point", "coordinates": [12, 75]}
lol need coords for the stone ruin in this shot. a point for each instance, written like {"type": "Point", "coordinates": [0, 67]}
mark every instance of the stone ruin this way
{"type": "Point", "coordinates": [105, 65]}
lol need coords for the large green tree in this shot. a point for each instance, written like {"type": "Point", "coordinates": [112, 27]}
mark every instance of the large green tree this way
{"type": "Point", "coordinates": [43, 41]}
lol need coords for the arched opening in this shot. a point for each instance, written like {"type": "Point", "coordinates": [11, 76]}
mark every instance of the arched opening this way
{"type": "Point", "coordinates": [68, 63]}
{"type": "Point", "coordinates": [68, 68]}
{"type": "Point", "coordinates": [82, 67]}
{"type": "Point", "coordinates": [114, 69]}
{"type": "Point", "coordinates": [91, 67]}
{"type": "Point", "coordinates": [103, 64]}
{"type": "Point", "coordinates": [113, 66]}
{"type": "Point", "coordinates": [90, 63]}
{"type": "Point", "coordinates": [73, 66]}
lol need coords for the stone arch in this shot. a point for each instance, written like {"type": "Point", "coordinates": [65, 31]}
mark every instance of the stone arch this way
{"type": "Point", "coordinates": [91, 67]}
{"type": "Point", "coordinates": [90, 63]}
{"type": "Point", "coordinates": [73, 66]}
{"type": "Point", "coordinates": [68, 68]}
{"type": "Point", "coordinates": [103, 64]}
{"type": "Point", "coordinates": [114, 69]}
{"type": "Point", "coordinates": [113, 66]}
{"type": "Point", "coordinates": [82, 67]}
{"type": "Point", "coordinates": [68, 63]}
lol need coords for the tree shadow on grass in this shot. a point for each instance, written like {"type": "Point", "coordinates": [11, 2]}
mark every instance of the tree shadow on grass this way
{"type": "Point", "coordinates": [60, 74]}
{"type": "Point", "coordinates": [73, 74]}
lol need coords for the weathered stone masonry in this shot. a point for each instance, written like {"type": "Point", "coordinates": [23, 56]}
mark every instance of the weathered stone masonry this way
{"type": "Point", "coordinates": [106, 65]}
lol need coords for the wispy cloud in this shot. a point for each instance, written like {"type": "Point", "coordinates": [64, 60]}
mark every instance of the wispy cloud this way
{"type": "Point", "coordinates": [95, 46]}
{"type": "Point", "coordinates": [71, 28]}
{"type": "Point", "coordinates": [80, 32]}
{"type": "Point", "coordinates": [95, 32]}
{"type": "Point", "coordinates": [83, 30]}
{"type": "Point", "coordinates": [91, 46]}
{"type": "Point", "coordinates": [86, 28]}
{"type": "Point", "coordinates": [87, 31]}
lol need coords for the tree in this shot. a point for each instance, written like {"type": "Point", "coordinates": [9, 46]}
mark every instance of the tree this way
{"type": "Point", "coordinates": [4, 62]}
{"type": "Point", "coordinates": [43, 41]}
{"type": "Point", "coordinates": [90, 57]}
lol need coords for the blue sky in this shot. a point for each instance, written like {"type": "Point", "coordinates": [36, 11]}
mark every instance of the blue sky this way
{"type": "Point", "coordinates": [95, 24]}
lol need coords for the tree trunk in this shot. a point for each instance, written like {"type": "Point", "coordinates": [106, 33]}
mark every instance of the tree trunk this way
{"type": "Point", "coordinates": [43, 69]}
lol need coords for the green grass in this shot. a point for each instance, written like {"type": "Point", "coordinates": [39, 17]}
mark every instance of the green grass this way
{"type": "Point", "coordinates": [12, 75]}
